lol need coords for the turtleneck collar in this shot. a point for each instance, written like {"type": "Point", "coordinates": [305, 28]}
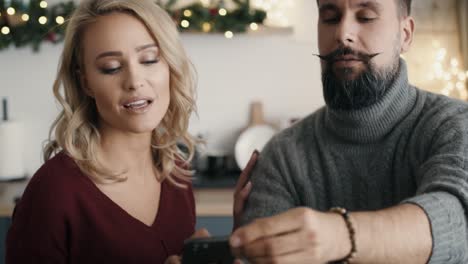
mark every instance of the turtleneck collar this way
{"type": "Point", "coordinates": [371, 123]}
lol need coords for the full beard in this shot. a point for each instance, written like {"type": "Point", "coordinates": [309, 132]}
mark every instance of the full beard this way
{"type": "Point", "coordinates": [347, 89]}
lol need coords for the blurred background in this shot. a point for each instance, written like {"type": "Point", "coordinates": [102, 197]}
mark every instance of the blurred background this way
{"type": "Point", "coordinates": [266, 75]}
{"type": "Point", "coordinates": [273, 65]}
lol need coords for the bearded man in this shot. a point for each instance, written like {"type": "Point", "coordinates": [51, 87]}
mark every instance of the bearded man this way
{"type": "Point", "coordinates": [393, 158]}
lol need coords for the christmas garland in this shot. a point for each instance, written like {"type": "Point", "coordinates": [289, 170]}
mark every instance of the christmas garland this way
{"type": "Point", "coordinates": [24, 24]}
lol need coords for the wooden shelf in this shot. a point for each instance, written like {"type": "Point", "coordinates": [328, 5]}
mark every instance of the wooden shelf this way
{"type": "Point", "coordinates": [262, 31]}
{"type": "Point", "coordinates": [214, 202]}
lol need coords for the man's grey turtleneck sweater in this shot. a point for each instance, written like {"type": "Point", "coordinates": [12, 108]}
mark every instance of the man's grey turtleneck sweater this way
{"type": "Point", "coordinates": [409, 147]}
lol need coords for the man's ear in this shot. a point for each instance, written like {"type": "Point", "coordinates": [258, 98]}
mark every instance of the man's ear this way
{"type": "Point", "coordinates": [84, 84]}
{"type": "Point", "coordinates": [407, 30]}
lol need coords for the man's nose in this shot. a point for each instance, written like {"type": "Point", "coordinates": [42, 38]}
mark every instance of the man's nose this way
{"type": "Point", "coordinates": [346, 32]}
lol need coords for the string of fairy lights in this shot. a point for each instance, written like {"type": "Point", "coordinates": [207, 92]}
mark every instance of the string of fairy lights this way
{"type": "Point", "coordinates": [24, 22]}
{"type": "Point", "coordinates": [31, 22]}
{"type": "Point", "coordinates": [208, 25]}
{"type": "Point", "coordinates": [25, 17]}
{"type": "Point", "coordinates": [450, 72]}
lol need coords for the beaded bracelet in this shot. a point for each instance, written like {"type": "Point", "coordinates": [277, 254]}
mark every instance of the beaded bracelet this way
{"type": "Point", "coordinates": [352, 233]}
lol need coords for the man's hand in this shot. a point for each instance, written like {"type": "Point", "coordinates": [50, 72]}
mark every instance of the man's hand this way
{"type": "Point", "coordinates": [200, 233]}
{"type": "Point", "coordinates": [300, 235]}
{"type": "Point", "coordinates": [243, 188]}
{"type": "Point", "coordinates": [173, 260]}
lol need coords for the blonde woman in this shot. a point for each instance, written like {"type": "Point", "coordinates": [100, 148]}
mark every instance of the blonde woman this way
{"type": "Point", "coordinates": [114, 188]}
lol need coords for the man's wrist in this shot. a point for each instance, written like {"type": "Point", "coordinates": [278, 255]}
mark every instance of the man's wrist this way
{"type": "Point", "coordinates": [341, 242]}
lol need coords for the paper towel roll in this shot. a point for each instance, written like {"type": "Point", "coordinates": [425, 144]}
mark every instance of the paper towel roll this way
{"type": "Point", "coordinates": [11, 150]}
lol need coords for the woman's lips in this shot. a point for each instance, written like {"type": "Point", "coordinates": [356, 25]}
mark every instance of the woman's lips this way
{"type": "Point", "coordinates": [137, 104]}
{"type": "Point", "coordinates": [138, 107]}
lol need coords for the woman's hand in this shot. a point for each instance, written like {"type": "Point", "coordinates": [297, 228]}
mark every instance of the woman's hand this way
{"type": "Point", "coordinates": [173, 260]}
{"type": "Point", "coordinates": [243, 187]}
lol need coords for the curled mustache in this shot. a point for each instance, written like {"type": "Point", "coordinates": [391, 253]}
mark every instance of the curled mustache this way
{"type": "Point", "coordinates": [342, 51]}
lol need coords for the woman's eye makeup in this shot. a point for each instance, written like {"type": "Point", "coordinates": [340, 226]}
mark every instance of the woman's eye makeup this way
{"type": "Point", "coordinates": [149, 58]}
{"type": "Point", "coordinates": [150, 61]}
{"type": "Point", "coordinates": [114, 67]}
{"type": "Point", "coordinates": [110, 68]}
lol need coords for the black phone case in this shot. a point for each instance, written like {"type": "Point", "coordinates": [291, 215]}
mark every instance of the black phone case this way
{"type": "Point", "coordinates": [209, 250]}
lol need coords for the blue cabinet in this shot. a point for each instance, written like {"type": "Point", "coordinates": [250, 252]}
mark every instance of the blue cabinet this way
{"type": "Point", "coordinates": [217, 226]}
{"type": "Point", "coordinates": [4, 225]}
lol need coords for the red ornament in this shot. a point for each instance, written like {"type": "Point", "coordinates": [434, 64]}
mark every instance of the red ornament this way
{"type": "Point", "coordinates": [52, 37]}
{"type": "Point", "coordinates": [214, 11]}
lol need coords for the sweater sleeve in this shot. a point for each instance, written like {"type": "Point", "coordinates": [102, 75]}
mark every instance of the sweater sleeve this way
{"type": "Point", "coordinates": [270, 192]}
{"type": "Point", "coordinates": [37, 233]}
{"type": "Point", "coordinates": [443, 191]}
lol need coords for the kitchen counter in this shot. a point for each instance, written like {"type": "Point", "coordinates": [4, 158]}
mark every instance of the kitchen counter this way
{"type": "Point", "coordinates": [209, 201]}
{"type": "Point", "coordinates": [214, 202]}
{"type": "Point", "coordinates": [9, 191]}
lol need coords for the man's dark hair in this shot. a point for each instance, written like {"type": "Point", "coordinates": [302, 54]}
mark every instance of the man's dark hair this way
{"type": "Point", "coordinates": [405, 7]}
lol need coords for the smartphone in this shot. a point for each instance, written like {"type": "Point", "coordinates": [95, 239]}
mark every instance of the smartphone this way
{"type": "Point", "coordinates": [210, 250]}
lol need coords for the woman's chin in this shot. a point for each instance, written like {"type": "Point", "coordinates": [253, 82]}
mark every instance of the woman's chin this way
{"type": "Point", "coordinates": [142, 128]}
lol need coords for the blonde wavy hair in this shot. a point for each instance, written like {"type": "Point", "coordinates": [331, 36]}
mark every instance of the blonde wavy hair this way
{"type": "Point", "coordinates": [75, 129]}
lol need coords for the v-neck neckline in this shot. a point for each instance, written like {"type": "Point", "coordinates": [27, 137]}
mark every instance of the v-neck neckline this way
{"type": "Point", "coordinates": [103, 197]}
